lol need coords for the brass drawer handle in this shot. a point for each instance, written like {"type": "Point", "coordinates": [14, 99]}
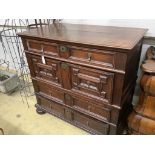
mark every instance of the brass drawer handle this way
{"type": "Point", "coordinates": [63, 48]}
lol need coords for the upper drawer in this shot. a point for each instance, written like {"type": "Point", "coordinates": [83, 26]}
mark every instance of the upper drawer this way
{"type": "Point", "coordinates": [40, 47]}
{"type": "Point", "coordinates": [89, 56]}
{"type": "Point", "coordinates": [44, 68]}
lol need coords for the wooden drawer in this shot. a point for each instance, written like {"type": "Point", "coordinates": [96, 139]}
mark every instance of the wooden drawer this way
{"type": "Point", "coordinates": [93, 83]}
{"type": "Point", "coordinates": [94, 109]}
{"type": "Point", "coordinates": [44, 68]}
{"type": "Point", "coordinates": [86, 106]}
{"type": "Point", "coordinates": [102, 59]}
{"type": "Point", "coordinates": [42, 47]}
{"type": "Point", "coordinates": [86, 122]}
{"type": "Point", "coordinates": [89, 56]}
{"type": "Point", "coordinates": [34, 46]}
{"type": "Point", "coordinates": [89, 123]}
{"type": "Point", "coordinates": [89, 106]}
{"type": "Point", "coordinates": [76, 102]}
{"type": "Point", "coordinates": [90, 82]}
{"type": "Point", "coordinates": [49, 91]}
{"type": "Point", "coordinates": [51, 106]}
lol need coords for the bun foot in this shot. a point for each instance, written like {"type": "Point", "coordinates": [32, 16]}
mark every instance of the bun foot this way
{"type": "Point", "coordinates": [40, 111]}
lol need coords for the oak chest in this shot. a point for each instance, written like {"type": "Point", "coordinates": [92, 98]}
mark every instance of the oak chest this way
{"type": "Point", "coordinates": [84, 74]}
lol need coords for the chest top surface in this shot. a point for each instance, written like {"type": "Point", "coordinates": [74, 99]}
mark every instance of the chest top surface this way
{"type": "Point", "coordinates": [103, 36]}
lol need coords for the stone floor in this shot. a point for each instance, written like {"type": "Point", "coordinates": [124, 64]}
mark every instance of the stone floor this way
{"type": "Point", "coordinates": [17, 119]}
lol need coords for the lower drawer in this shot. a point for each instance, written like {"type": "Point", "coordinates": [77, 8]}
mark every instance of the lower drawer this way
{"type": "Point", "coordinates": [76, 118]}
{"type": "Point", "coordinates": [87, 106]}
{"type": "Point", "coordinates": [51, 106]}
{"type": "Point", "coordinates": [90, 124]}
{"type": "Point", "coordinates": [90, 107]}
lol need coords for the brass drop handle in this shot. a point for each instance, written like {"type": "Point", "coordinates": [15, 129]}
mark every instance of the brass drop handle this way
{"type": "Point", "coordinates": [89, 56]}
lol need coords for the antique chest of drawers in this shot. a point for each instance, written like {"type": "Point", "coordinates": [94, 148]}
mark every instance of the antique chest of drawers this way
{"type": "Point", "coordinates": [84, 74]}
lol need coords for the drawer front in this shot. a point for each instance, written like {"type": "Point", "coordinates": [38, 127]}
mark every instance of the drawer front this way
{"type": "Point", "coordinates": [90, 56]}
{"type": "Point", "coordinates": [81, 120]}
{"type": "Point", "coordinates": [87, 106]}
{"type": "Point", "coordinates": [43, 47]}
{"type": "Point", "coordinates": [90, 124]}
{"type": "Point", "coordinates": [34, 46]}
{"type": "Point", "coordinates": [51, 106]}
{"type": "Point", "coordinates": [45, 68]}
{"type": "Point", "coordinates": [49, 91]}
{"type": "Point", "coordinates": [95, 109]}
{"type": "Point", "coordinates": [94, 83]}
{"type": "Point", "coordinates": [87, 56]}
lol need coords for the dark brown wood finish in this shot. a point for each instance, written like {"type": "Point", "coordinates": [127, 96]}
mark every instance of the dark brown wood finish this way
{"type": "Point", "coordinates": [84, 74]}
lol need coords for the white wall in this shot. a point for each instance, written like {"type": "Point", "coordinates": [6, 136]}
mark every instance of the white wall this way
{"type": "Point", "coordinates": [142, 23]}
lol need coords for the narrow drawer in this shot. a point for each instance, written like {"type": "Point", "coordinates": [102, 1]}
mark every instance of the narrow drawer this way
{"type": "Point", "coordinates": [81, 55]}
{"type": "Point", "coordinates": [95, 109]}
{"type": "Point", "coordinates": [43, 47]}
{"type": "Point", "coordinates": [89, 56]}
{"type": "Point", "coordinates": [34, 46]}
{"type": "Point", "coordinates": [92, 56]}
{"type": "Point", "coordinates": [101, 58]}
{"type": "Point", "coordinates": [90, 124]}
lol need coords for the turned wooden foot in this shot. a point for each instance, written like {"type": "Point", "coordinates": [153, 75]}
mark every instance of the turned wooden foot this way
{"type": "Point", "coordinates": [40, 111]}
